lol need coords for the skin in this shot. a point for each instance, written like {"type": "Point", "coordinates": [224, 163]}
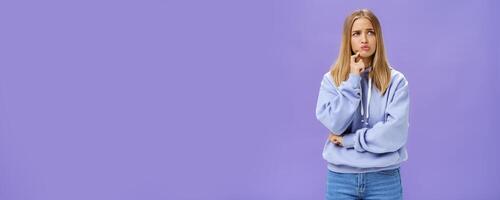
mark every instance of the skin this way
{"type": "Point", "coordinates": [362, 34]}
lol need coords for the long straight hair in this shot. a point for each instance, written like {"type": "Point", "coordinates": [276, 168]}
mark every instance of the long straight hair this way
{"type": "Point", "coordinates": [380, 74]}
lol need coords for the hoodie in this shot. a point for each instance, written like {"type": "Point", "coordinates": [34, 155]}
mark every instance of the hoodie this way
{"type": "Point", "coordinates": [374, 127]}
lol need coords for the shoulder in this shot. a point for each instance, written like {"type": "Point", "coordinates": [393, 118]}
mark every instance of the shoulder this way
{"type": "Point", "coordinates": [327, 78]}
{"type": "Point", "coordinates": [398, 83]}
{"type": "Point", "coordinates": [327, 83]}
{"type": "Point", "coordinates": [327, 75]}
{"type": "Point", "coordinates": [397, 77]}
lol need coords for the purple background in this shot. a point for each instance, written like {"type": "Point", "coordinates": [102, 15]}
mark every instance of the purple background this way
{"type": "Point", "coordinates": [215, 99]}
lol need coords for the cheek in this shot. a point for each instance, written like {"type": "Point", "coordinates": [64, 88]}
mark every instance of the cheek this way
{"type": "Point", "coordinates": [373, 41]}
{"type": "Point", "coordinates": [354, 44]}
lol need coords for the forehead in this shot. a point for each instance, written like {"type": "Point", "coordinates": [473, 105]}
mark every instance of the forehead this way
{"type": "Point", "coordinates": [361, 24]}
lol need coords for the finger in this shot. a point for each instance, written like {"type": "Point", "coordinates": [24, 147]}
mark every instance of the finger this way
{"type": "Point", "coordinates": [357, 57]}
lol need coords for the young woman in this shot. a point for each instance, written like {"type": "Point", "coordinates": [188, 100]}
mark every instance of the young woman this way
{"type": "Point", "coordinates": [364, 103]}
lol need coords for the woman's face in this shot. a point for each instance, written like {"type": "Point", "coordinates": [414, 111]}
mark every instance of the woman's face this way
{"type": "Point", "coordinates": [363, 37]}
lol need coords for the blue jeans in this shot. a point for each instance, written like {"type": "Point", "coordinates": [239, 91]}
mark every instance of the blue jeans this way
{"type": "Point", "coordinates": [381, 185]}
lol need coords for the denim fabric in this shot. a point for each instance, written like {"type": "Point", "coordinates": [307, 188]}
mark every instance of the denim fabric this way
{"type": "Point", "coordinates": [380, 185]}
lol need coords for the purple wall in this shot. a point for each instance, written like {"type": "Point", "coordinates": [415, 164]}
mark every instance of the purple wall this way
{"type": "Point", "coordinates": [215, 99]}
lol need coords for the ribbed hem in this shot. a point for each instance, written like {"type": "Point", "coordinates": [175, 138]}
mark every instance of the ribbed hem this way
{"type": "Point", "coordinates": [348, 169]}
{"type": "Point", "coordinates": [354, 80]}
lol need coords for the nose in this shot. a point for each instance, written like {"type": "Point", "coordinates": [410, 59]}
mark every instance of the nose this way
{"type": "Point", "coordinates": [364, 39]}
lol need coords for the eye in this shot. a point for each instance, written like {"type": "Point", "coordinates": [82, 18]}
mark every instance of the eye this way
{"type": "Point", "coordinates": [371, 33]}
{"type": "Point", "coordinates": [355, 34]}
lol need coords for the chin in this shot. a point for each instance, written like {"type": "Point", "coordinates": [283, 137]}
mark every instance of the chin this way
{"type": "Point", "coordinates": [366, 54]}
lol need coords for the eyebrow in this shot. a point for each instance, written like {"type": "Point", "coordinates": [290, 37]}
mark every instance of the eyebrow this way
{"type": "Point", "coordinates": [368, 29]}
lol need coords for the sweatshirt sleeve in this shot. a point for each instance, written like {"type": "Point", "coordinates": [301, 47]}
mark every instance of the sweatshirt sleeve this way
{"type": "Point", "coordinates": [389, 135]}
{"type": "Point", "coordinates": [336, 106]}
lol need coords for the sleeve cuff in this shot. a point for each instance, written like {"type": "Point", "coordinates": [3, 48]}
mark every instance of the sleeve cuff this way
{"type": "Point", "coordinates": [354, 80]}
{"type": "Point", "coordinates": [348, 140]}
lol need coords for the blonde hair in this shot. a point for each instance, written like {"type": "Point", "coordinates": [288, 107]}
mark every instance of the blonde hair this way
{"type": "Point", "coordinates": [381, 73]}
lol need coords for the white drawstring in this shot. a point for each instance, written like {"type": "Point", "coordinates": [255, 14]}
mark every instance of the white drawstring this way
{"type": "Point", "coordinates": [367, 115]}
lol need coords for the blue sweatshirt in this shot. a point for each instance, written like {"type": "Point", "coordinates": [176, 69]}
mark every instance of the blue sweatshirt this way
{"type": "Point", "coordinates": [374, 127]}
